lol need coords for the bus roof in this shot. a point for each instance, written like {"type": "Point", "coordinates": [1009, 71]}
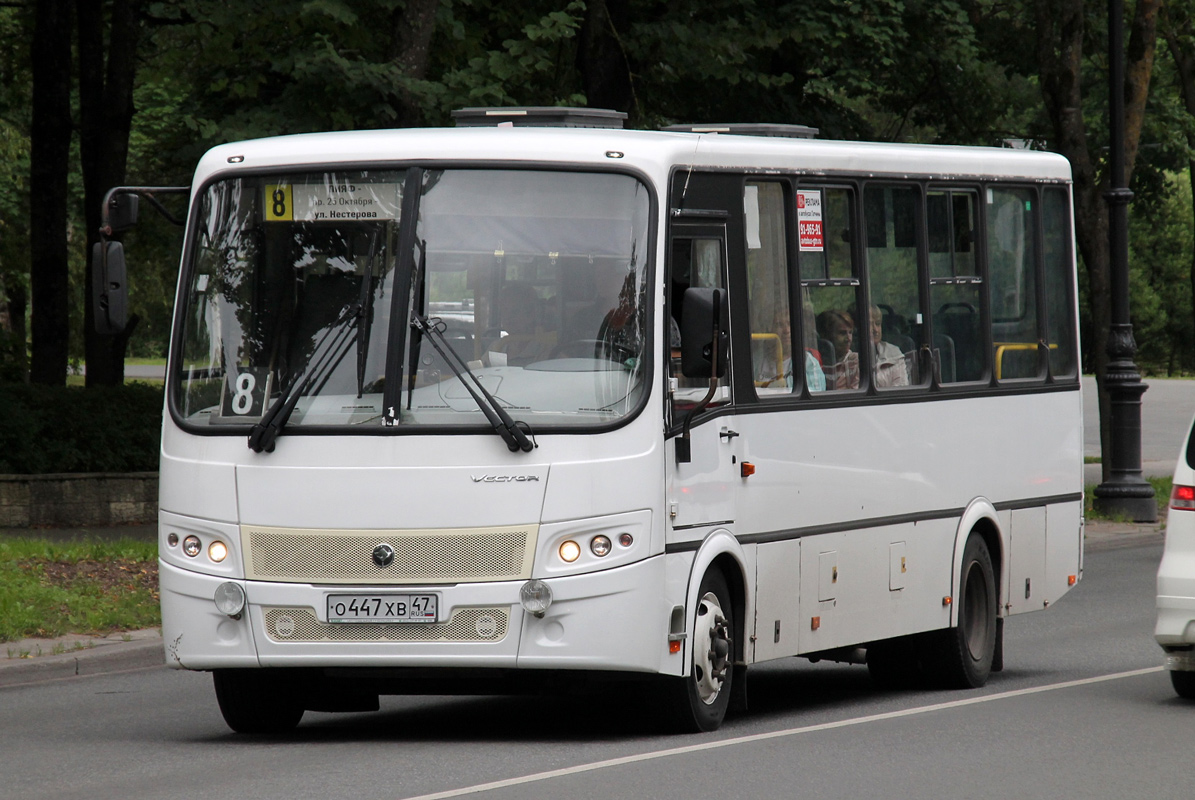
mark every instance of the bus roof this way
{"type": "Point", "coordinates": [654, 152]}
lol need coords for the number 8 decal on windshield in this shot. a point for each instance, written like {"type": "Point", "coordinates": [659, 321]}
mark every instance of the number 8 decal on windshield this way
{"type": "Point", "coordinates": [242, 398]}
{"type": "Point", "coordinates": [279, 203]}
{"type": "Point", "coordinates": [244, 393]}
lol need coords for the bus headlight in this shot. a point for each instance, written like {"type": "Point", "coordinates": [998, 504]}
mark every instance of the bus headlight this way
{"type": "Point", "coordinates": [217, 551]}
{"type": "Point", "coordinates": [600, 545]}
{"type": "Point", "coordinates": [536, 597]}
{"type": "Point", "coordinates": [230, 599]}
{"type": "Point", "coordinates": [570, 551]}
{"type": "Point", "coordinates": [192, 545]}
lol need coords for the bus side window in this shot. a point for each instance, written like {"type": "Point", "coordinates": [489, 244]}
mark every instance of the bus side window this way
{"type": "Point", "coordinates": [1059, 267]}
{"type": "Point", "coordinates": [767, 290]}
{"type": "Point", "coordinates": [830, 288]}
{"type": "Point", "coordinates": [1012, 264]}
{"type": "Point", "coordinates": [954, 286]}
{"type": "Point", "coordinates": [696, 261]}
{"type": "Point", "coordinates": [894, 321]}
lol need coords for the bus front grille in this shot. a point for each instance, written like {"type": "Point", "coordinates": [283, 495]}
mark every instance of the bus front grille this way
{"type": "Point", "coordinates": [466, 625]}
{"type": "Point", "coordinates": [422, 557]}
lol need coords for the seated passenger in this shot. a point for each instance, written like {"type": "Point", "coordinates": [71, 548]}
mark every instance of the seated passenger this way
{"type": "Point", "coordinates": [839, 328]}
{"type": "Point", "coordinates": [891, 368]}
{"type": "Point", "coordinates": [815, 379]}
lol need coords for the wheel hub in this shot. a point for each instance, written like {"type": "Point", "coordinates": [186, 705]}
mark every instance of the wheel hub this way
{"type": "Point", "coordinates": [712, 648]}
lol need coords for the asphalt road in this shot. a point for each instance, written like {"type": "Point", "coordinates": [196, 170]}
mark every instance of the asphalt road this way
{"type": "Point", "coordinates": [1081, 710]}
{"type": "Point", "coordinates": [1166, 410]}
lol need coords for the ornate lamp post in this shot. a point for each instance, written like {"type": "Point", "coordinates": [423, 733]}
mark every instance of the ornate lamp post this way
{"type": "Point", "coordinates": [1125, 492]}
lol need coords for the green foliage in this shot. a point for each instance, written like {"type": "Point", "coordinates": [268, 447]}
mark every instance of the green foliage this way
{"type": "Point", "coordinates": [45, 429]}
{"type": "Point", "coordinates": [49, 589]}
{"type": "Point", "coordinates": [1160, 296]}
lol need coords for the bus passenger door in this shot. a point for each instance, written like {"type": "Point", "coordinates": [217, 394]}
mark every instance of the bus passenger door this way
{"type": "Point", "coordinates": [701, 491]}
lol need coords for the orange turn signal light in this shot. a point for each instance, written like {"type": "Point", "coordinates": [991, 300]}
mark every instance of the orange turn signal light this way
{"type": "Point", "coordinates": [947, 600]}
{"type": "Point", "coordinates": [746, 469]}
{"type": "Point", "coordinates": [1071, 580]}
{"type": "Point", "coordinates": [673, 647]}
{"type": "Point", "coordinates": [815, 623]}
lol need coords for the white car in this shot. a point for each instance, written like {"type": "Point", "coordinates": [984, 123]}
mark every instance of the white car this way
{"type": "Point", "coordinates": [1175, 630]}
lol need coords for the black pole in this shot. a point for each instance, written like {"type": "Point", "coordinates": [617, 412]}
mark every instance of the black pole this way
{"type": "Point", "coordinates": [1125, 493]}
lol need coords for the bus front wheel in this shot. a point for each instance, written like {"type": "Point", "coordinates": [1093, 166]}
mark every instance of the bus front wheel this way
{"type": "Point", "coordinates": [701, 698]}
{"type": "Point", "coordinates": [963, 656]}
{"type": "Point", "coordinates": [258, 701]}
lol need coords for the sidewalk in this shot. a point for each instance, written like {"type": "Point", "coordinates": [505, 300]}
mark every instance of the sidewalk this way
{"type": "Point", "coordinates": [40, 660]}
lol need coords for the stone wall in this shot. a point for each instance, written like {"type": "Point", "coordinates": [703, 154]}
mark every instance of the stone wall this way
{"type": "Point", "coordinates": [83, 500]}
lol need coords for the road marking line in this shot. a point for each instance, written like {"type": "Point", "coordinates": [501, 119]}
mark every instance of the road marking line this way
{"type": "Point", "coordinates": [760, 737]}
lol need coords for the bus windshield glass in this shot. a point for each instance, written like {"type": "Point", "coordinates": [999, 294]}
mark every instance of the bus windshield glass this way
{"type": "Point", "coordinates": [537, 281]}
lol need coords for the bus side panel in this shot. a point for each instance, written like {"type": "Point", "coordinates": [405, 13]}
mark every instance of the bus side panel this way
{"type": "Point", "coordinates": [1064, 548]}
{"type": "Point", "coordinates": [859, 586]}
{"type": "Point", "coordinates": [1027, 560]}
{"type": "Point", "coordinates": [777, 600]}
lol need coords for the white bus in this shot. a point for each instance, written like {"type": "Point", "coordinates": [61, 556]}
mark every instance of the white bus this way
{"type": "Point", "coordinates": [506, 405]}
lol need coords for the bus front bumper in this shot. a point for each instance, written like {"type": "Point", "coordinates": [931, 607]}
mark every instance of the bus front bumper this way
{"type": "Point", "coordinates": [613, 620]}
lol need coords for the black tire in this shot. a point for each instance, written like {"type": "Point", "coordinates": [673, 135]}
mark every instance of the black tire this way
{"type": "Point", "coordinates": [258, 701]}
{"type": "Point", "coordinates": [894, 664]}
{"type": "Point", "coordinates": [963, 656]}
{"type": "Point", "coordinates": [1183, 683]}
{"type": "Point", "coordinates": [700, 699]}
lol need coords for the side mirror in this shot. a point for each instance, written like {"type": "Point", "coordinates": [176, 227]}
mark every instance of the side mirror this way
{"type": "Point", "coordinates": [109, 289]}
{"type": "Point", "coordinates": [122, 211]}
{"type": "Point", "coordinates": [705, 314]}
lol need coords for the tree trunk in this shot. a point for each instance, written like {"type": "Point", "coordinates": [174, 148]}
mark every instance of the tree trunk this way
{"type": "Point", "coordinates": [1059, 28]}
{"type": "Point", "coordinates": [50, 139]}
{"type": "Point", "coordinates": [413, 27]}
{"type": "Point", "coordinates": [106, 115]}
{"type": "Point", "coordinates": [600, 57]}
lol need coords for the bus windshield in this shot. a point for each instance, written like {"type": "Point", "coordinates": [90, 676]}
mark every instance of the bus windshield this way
{"type": "Point", "coordinates": [537, 281]}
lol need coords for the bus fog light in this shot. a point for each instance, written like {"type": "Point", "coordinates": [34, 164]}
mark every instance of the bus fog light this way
{"type": "Point", "coordinates": [600, 545]}
{"type": "Point", "coordinates": [172, 539]}
{"type": "Point", "coordinates": [217, 551]}
{"type": "Point", "coordinates": [230, 599]}
{"type": "Point", "coordinates": [536, 597]}
{"type": "Point", "coordinates": [192, 546]}
{"type": "Point", "coordinates": [570, 551]}
{"type": "Point", "coordinates": [625, 539]}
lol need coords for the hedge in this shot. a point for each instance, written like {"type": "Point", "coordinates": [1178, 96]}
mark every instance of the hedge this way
{"type": "Point", "coordinates": [49, 429]}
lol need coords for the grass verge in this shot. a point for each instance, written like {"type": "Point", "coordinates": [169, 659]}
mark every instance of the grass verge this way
{"type": "Point", "coordinates": [50, 589]}
{"type": "Point", "coordinates": [1162, 486]}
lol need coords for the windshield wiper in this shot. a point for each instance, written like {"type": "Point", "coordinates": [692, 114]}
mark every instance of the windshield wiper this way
{"type": "Point", "coordinates": [503, 424]}
{"type": "Point", "coordinates": [264, 434]}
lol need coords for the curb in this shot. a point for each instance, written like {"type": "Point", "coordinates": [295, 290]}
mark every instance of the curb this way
{"type": "Point", "coordinates": [99, 656]}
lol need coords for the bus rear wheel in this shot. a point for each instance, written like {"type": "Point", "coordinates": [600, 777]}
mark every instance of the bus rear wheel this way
{"type": "Point", "coordinates": [700, 699]}
{"type": "Point", "coordinates": [258, 701]}
{"type": "Point", "coordinates": [1183, 683]}
{"type": "Point", "coordinates": [963, 656]}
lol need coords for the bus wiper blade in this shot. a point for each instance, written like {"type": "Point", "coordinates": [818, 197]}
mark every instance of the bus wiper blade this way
{"type": "Point", "coordinates": [264, 434]}
{"type": "Point", "coordinates": [502, 422]}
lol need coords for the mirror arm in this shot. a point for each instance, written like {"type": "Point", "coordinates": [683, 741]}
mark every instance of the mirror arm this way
{"type": "Point", "coordinates": [683, 446]}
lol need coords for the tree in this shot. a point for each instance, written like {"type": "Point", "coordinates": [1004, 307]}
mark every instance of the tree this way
{"type": "Point", "coordinates": [49, 167]}
{"type": "Point", "coordinates": [1062, 29]}
{"type": "Point", "coordinates": [1178, 29]}
{"type": "Point", "coordinates": [106, 117]}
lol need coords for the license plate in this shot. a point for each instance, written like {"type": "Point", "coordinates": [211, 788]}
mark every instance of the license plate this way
{"type": "Point", "coordinates": [382, 607]}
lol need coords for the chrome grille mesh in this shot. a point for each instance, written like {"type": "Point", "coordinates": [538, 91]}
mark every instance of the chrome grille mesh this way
{"type": "Point", "coordinates": [466, 625]}
{"type": "Point", "coordinates": [420, 557]}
